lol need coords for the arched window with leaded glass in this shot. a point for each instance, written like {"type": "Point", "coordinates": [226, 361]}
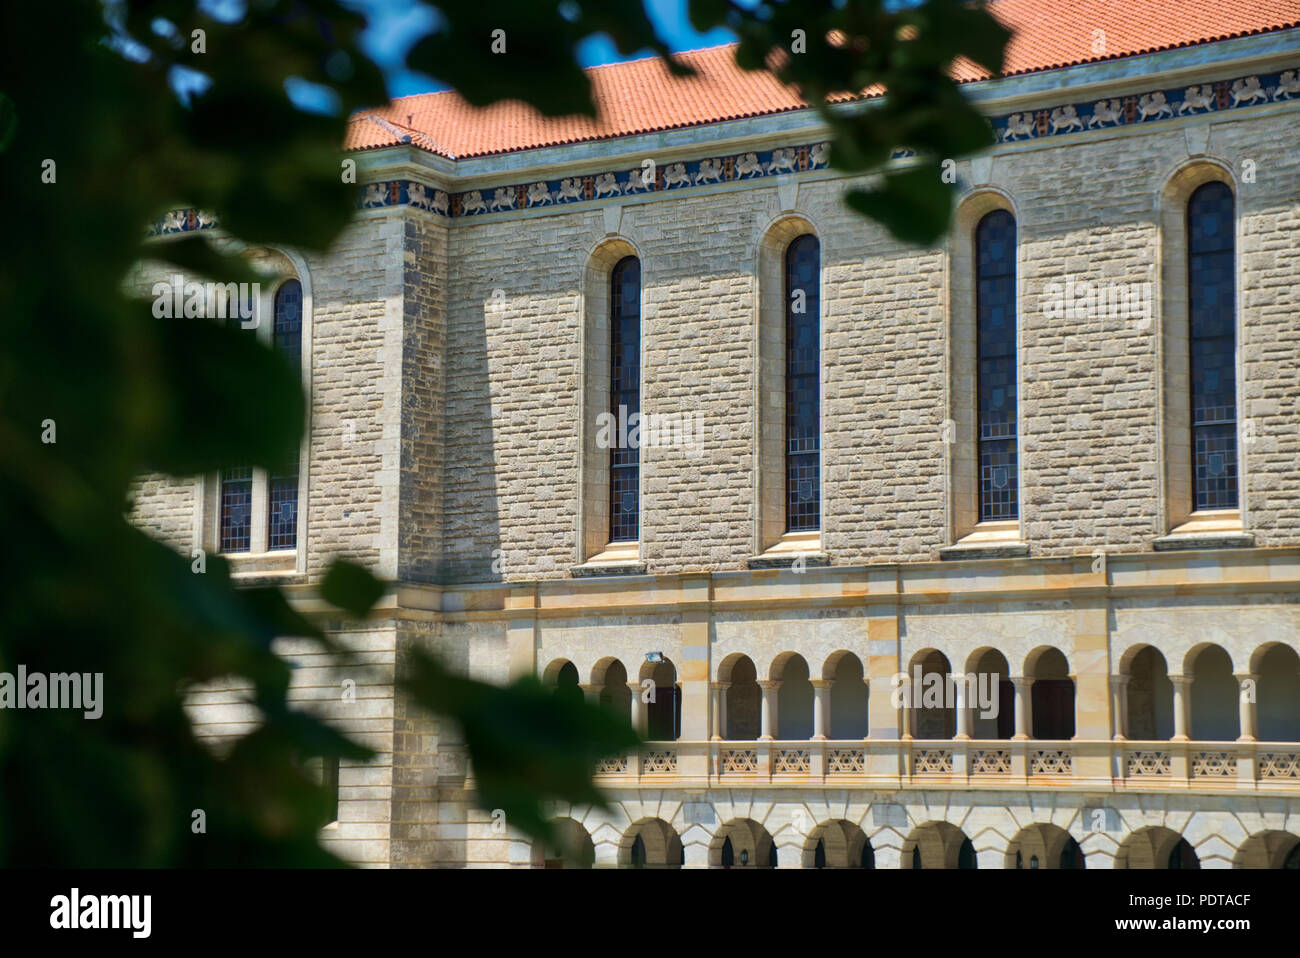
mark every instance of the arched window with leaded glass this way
{"type": "Point", "coordinates": [803, 384]}
{"type": "Point", "coordinates": [625, 400]}
{"type": "Point", "coordinates": [995, 308]}
{"type": "Point", "coordinates": [282, 484]}
{"type": "Point", "coordinates": [258, 509]}
{"type": "Point", "coordinates": [1212, 346]}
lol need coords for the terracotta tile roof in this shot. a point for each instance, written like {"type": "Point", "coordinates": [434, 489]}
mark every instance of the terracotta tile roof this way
{"type": "Point", "coordinates": [640, 97]}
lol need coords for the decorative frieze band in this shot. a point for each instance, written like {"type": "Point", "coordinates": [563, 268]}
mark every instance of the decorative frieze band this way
{"type": "Point", "coordinates": [1153, 107]}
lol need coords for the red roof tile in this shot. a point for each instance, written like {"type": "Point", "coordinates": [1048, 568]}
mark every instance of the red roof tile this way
{"type": "Point", "coordinates": [641, 97]}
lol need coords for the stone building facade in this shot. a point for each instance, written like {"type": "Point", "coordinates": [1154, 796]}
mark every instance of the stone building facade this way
{"type": "Point", "coordinates": [1141, 651]}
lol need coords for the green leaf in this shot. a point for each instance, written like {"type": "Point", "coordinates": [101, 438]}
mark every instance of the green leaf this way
{"type": "Point", "coordinates": [8, 121]}
{"type": "Point", "coordinates": [222, 399]}
{"type": "Point", "coordinates": [527, 744]}
{"type": "Point", "coordinates": [351, 587]}
{"type": "Point", "coordinates": [194, 253]}
{"type": "Point", "coordinates": [909, 204]}
{"type": "Point", "coordinates": [707, 14]}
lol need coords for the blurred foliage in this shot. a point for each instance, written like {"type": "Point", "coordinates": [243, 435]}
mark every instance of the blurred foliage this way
{"type": "Point", "coordinates": [94, 144]}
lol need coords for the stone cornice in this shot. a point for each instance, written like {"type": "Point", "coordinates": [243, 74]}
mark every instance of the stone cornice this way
{"type": "Point", "coordinates": [1125, 577]}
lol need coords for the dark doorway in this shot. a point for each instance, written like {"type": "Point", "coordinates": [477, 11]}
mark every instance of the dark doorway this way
{"type": "Point", "coordinates": [1182, 857]}
{"type": "Point", "coordinates": [1006, 708]}
{"type": "Point", "coordinates": [966, 857]}
{"type": "Point", "coordinates": [566, 683]}
{"type": "Point", "coordinates": [664, 713]}
{"type": "Point", "coordinates": [1071, 855]}
{"type": "Point", "coordinates": [1053, 708]}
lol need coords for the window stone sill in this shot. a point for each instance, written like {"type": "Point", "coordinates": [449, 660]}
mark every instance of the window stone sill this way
{"type": "Point", "coordinates": [279, 563]}
{"type": "Point", "coordinates": [591, 570]}
{"type": "Point", "coordinates": [1203, 540]}
{"type": "Point", "coordinates": [1011, 549]}
{"type": "Point", "coordinates": [785, 560]}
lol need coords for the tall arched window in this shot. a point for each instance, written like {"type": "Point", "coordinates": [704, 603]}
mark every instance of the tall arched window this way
{"type": "Point", "coordinates": [256, 509]}
{"type": "Point", "coordinates": [995, 307]}
{"type": "Point", "coordinates": [282, 484]}
{"type": "Point", "coordinates": [625, 400]}
{"type": "Point", "coordinates": [1211, 288]}
{"type": "Point", "coordinates": [802, 385]}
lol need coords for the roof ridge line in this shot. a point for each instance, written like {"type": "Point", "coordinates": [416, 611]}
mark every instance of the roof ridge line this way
{"type": "Point", "coordinates": [389, 127]}
{"type": "Point", "coordinates": [655, 56]}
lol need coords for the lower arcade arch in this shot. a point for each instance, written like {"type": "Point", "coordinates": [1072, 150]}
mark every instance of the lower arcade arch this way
{"type": "Point", "coordinates": [570, 847]}
{"type": "Point", "coordinates": [937, 845]}
{"type": "Point", "coordinates": [1156, 847]}
{"type": "Point", "coordinates": [1044, 846]}
{"type": "Point", "coordinates": [1269, 849]}
{"type": "Point", "coordinates": [651, 843]}
{"type": "Point", "coordinates": [837, 844]}
{"type": "Point", "coordinates": [742, 843]}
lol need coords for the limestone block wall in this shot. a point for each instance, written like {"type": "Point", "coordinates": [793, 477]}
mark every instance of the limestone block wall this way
{"type": "Point", "coordinates": [164, 507]}
{"type": "Point", "coordinates": [1088, 209]}
{"type": "Point", "coordinates": [355, 695]}
{"type": "Point", "coordinates": [434, 821]}
{"type": "Point", "coordinates": [422, 387]}
{"type": "Point", "coordinates": [511, 406]}
{"type": "Point", "coordinates": [357, 348]}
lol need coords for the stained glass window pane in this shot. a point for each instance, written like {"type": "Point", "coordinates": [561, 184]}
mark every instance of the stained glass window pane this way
{"type": "Point", "coordinates": [802, 385]}
{"type": "Point", "coordinates": [625, 400]}
{"type": "Point", "coordinates": [282, 503]}
{"type": "Point", "coordinates": [995, 307]}
{"type": "Point", "coordinates": [287, 335]}
{"type": "Point", "coordinates": [236, 508]}
{"type": "Point", "coordinates": [1211, 288]}
{"type": "Point", "coordinates": [282, 488]}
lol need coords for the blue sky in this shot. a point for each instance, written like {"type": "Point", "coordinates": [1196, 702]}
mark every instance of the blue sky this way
{"type": "Point", "coordinates": [395, 26]}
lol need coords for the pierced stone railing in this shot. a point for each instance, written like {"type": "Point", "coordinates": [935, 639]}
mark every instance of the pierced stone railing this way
{"type": "Point", "coordinates": [612, 765]}
{"type": "Point", "coordinates": [932, 761]}
{"type": "Point", "coordinates": [990, 761]}
{"type": "Point", "coordinates": [1153, 763]}
{"type": "Point", "coordinates": [1050, 761]}
{"type": "Point", "coordinates": [977, 764]}
{"type": "Point", "coordinates": [1279, 766]}
{"type": "Point", "coordinates": [797, 761]}
{"type": "Point", "coordinates": [739, 761]}
{"type": "Point", "coordinates": [659, 762]}
{"type": "Point", "coordinates": [846, 761]}
{"type": "Point", "coordinates": [1214, 764]}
